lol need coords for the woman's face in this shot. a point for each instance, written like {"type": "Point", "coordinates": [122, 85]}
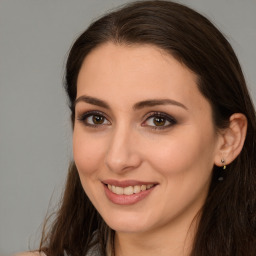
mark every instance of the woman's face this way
{"type": "Point", "coordinates": [144, 141]}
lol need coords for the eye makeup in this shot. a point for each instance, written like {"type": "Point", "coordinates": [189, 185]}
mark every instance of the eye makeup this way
{"type": "Point", "coordinates": [158, 120]}
{"type": "Point", "coordinates": [94, 119]}
{"type": "Point", "coordinates": [154, 120]}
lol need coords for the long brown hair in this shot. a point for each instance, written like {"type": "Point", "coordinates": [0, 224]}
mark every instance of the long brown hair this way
{"type": "Point", "coordinates": [228, 218]}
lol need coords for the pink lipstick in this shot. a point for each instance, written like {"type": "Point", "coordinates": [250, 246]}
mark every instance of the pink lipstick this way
{"type": "Point", "coordinates": [127, 192]}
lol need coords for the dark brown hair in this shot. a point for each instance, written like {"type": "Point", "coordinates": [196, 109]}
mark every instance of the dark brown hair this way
{"type": "Point", "coordinates": [228, 218]}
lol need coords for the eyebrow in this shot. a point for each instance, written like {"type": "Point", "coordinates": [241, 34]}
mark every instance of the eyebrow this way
{"type": "Point", "coordinates": [137, 106]}
{"type": "Point", "coordinates": [156, 102]}
{"type": "Point", "coordinates": [92, 101]}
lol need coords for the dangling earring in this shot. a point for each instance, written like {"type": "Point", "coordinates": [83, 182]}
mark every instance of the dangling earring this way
{"type": "Point", "coordinates": [222, 174]}
{"type": "Point", "coordinates": [223, 162]}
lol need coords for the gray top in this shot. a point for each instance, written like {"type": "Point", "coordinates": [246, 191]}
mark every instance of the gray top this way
{"type": "Point", "coordinates": [94, 251]}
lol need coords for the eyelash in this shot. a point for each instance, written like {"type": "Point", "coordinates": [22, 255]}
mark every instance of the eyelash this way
{"type": "Point", "coordinates": [165, 118]}
{"type": "Point", "coordinates": [84, 118]}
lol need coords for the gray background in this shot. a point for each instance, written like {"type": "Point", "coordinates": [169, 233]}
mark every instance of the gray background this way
{"type": "Point", "coordinates": [35, 133]}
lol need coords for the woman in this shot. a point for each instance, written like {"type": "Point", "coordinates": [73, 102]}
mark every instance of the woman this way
{"type": "Point", "coordinates": [163, 140]}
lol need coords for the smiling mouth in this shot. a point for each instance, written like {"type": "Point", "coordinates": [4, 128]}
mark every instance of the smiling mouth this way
{"type": "Point", "coordinates": [130, 190]}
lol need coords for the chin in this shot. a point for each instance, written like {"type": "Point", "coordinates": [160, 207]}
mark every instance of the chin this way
{"type": "Point", "coordinates": [127, 223]}
{"type": "Point", "coordinates": [127, 227]}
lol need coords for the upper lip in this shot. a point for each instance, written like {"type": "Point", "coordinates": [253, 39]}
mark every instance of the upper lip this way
{"type": "Point", "coordinates": [127, 183]}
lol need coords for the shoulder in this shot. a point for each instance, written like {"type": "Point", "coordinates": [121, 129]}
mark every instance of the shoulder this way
{"type": "Point", "coordinates": [30, 254]}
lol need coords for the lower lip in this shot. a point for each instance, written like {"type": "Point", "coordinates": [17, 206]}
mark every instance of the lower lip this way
{"type": "Point", "coordinates": [126, 199]}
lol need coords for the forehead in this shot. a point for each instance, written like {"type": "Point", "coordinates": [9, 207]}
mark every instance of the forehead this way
{"type": "Point", "coordinates": [137, 72]}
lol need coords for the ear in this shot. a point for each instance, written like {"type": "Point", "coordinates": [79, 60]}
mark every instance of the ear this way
{"type": "Point", "coordinates": [232, 140]}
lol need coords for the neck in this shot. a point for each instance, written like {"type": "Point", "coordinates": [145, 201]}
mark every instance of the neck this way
{"type": "Point", "coordinates": [172, 240]}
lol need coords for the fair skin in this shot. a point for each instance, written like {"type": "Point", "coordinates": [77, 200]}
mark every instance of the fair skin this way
{"type": "Point", "coordinates": [141, 120]}
{"type": "Point", "coordinates": [123, 138]}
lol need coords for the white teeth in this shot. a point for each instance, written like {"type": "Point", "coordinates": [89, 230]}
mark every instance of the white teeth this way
{"type": "Point", "coordinates": [136, 189]}
{"type": "Point", "coordinates": [129, 190]}
{"type": "Point", "coordinates": [119, 191]}
{"type": "Point", "coordinates": [143, 187]}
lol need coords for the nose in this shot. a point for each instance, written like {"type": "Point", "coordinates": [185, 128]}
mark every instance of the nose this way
{"type": "Point", "coordinates": [123, 151]}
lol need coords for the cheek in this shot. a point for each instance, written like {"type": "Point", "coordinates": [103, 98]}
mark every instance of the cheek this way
{"type": "Point", "coordinates": [88, 153]}
{"type": "Point", "coordinates": [184, 153]}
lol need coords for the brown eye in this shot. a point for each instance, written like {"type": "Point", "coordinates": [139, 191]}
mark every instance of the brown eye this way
{"type": "Point", "coordinates": [159, 121]}
{"type": "Point", "coordinates": [94, 119]}
{"type": "Point", "coordinates": [98, 119]}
